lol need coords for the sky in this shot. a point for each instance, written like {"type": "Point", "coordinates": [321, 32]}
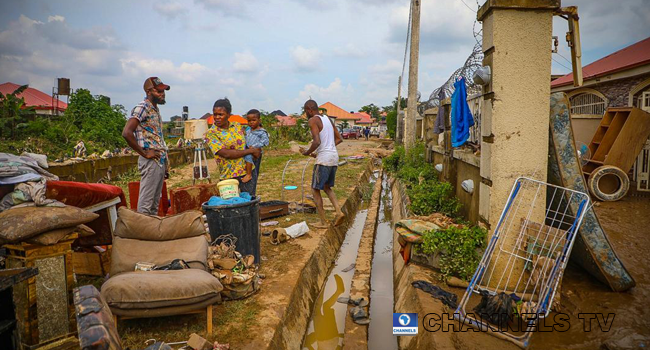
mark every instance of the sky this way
{"type": "Point", "coordinates": [265, 54]}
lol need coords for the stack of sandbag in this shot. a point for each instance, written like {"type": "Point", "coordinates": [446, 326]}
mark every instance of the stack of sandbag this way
{"type": "Point", "coordinates": [43, 225]}
{"type": "Point", "coordinates": [238, 274]}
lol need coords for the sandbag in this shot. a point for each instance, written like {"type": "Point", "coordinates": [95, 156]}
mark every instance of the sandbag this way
{"type": "Point", "coordinates": [54, 236]}
{"type": "Point", "coordinates": [134, 225]}
{"type": "Point", "coordinates": [19, 224]}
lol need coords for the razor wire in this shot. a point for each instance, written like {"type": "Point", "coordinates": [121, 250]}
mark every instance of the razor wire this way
{"type": "Point", "coordinates": [472, 63]}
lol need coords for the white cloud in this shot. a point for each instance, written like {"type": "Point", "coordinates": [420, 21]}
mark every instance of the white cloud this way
{"type": "Point", "coordinates": [235, 8]}
{"type": "Point", "coordinates": [336, 92]}
{"type": "Point", "coordinates": [305, 59]}
{"type": "Point", "coordinates": [444, 25]}
{"type": "Point", "coordinates": [245, 62]}
{"type": "Point", "coordinates": [166, 70]}
{"type": "Point", "coordinates": [351, 51]}
{"type": "Point", "coordinates": [170, 10]}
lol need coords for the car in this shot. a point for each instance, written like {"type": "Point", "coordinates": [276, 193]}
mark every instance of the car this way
{"type": "Point", "coordinates": [374, 131]}
{"type": "Point", "coordinates": [350, 134]}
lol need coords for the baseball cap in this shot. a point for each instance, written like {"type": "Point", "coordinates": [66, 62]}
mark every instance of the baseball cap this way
{"type": "Point", "coordinates": [155, 82]}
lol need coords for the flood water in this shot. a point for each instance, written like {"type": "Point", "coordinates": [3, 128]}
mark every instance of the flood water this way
{"type": "Point", "coordinates": [380, 330]}
{"type": "Point", "coordinates": [327, 322]}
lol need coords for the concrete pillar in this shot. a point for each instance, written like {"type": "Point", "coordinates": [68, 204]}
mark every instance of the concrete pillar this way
{"type": "Point", "coordinates": [514, 126]}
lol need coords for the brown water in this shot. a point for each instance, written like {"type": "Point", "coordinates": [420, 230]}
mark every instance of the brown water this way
{"type": "Point", "coordinates": [327, 324]}
{"type": "Point", "coordinates": [380, 330]}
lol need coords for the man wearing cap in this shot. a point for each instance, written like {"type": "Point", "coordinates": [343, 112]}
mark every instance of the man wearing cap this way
{"type": "Point", "coordinates": [143, 132]}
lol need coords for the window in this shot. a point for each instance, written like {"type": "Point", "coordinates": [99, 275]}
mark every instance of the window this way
{"type": "Point", "coordinates": [588, 103]}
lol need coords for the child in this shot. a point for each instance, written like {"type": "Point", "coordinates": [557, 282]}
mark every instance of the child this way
{"type": "Point", "coordinates": [256, 137]}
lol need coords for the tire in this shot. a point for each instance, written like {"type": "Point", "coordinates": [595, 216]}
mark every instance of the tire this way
{"type": "Point", "coordinates": [608, 183]}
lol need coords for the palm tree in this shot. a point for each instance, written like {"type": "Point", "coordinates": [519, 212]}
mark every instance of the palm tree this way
{"type": "Point", "coordinates": [13, 111]}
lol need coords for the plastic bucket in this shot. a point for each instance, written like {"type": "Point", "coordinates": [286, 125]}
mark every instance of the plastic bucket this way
{"type": "Point", "coordinates": [241, 220]}
{"type": "Point", "coordinates": [228, 188]}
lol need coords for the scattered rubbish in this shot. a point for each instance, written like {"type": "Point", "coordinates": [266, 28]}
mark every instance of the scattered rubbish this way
{"type": "Point", "coordinates": [343, 300]}
{"type": "Point", "coordinates": [279, 235]}
{"type": "Point", "coordinates": [359, 315]}
{"type": "Point", "coordinates": [361, 301]}
{"type": "Point", "coordinates": [159, 346]}
{"type": "Point", "coordinates": [287, 219]}
{"type": "Point", "coordinates": [358, 156]}
{"type": "Point", "coordinates": [290, 187]}
{"type": "Point", "coordinates": [176, 264]}
{"type": "Point", "coordinates": [197, 342]}
{"type": "Point", "coordinates": [456, 282]}
{"type": "Point", "coordinates": [219, 346]}
{"type": "Point", "coordinates": [269, 223]}
{"type": "Point", "coordinates": [261, 275]}
{"type": "Point", "coordinates": [343, 162]}
{"type": "Point", "coordinates": [237, 272]}
{"type": "Point", "coordinates": [266, 232]}
{"type": "Point", "coordinates": [349, 267]}
{"type": "Point", "coordinates": [447, 298]}
{"type": "Point", "coordinates": [297, 230]}
{"type": "Point", "coordinates": [496, 308]}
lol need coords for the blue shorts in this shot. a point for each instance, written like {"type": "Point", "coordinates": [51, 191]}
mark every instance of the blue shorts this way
{"type": "Point", "coordinates": [323, 176]}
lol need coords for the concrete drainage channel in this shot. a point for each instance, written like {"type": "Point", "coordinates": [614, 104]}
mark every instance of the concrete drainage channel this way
{"type": "Point", "coordinates": [367, 246]}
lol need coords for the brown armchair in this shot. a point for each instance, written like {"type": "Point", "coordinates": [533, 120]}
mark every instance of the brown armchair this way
{"type": "Point", "coordinates": [152, 239]}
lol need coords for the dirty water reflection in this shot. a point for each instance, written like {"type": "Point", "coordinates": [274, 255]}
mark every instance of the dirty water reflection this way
{"type": "Point", "coordinates": [380, 330]}
{"type": "Point", "coordinates": [327, 322]}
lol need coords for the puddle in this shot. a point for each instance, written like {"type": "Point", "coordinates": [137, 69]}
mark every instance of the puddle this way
{"type": "Point", "coordinates": [380, 330]}
{"type": "Point", "coordinates": [327, 322]}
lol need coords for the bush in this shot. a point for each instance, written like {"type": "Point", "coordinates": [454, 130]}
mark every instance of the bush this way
{"type": "Point", "coordinates": [433, 197]}
{"type": "Point", "coordinates": [459, 249]}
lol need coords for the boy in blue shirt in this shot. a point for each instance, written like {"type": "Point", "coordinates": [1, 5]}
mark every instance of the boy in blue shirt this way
{"type": "Point", "coordinates": [256, 137]}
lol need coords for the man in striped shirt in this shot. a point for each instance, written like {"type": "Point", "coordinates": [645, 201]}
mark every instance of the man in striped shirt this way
{"type": "Point", "coordinates": [143, 132]}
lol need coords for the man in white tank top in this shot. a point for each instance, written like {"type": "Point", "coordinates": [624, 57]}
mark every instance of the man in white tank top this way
{"type": "Point", "coordinates": [323, 147]}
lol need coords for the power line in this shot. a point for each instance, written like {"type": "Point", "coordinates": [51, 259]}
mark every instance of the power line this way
{"type": "Point", "coordinates": [556, 61]}
{"type": "Point", "coordinates": [566, 59]}
{"type": "Point", "coordinates": [406, 46]}
{"type": "Point", "coordinates": [471, 9]}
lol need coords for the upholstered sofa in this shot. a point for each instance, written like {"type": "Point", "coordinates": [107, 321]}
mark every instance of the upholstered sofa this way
{"type": "Point", "coordinates": [151, 239]}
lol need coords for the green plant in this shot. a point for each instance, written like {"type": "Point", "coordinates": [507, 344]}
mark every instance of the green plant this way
{"type": "Point", "coordinates": [391, 123]}
{"type": "Point", "coordinates": [459, 249]}
{"type": "Point", "coordinates": [433, 197]}
{"type": "Point", "coordinates": [393, 162]}
{"type": "Point", "coordinates": [13, 112]}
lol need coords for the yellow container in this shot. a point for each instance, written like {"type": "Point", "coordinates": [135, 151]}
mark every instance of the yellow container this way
{"type": "Point", "coordinates": [228, 188]}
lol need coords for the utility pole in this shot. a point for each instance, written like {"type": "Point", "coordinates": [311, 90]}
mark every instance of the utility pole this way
{"type": "Point", "coordinates": [411, 106]}
{"type": "Point", "coordinates": [399, 107]}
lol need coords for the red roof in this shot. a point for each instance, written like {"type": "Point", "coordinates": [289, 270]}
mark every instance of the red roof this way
{"type": "Point", "coordinates": [34, 98]}
{"type": "Point", "coordinates": [629, 57]}
{"type": "Point", "coordinates": [285, 121]}
{"type": "Point", "coordinates": [364, 118]}
{"type": "Point", "coordinates": [338, 112]}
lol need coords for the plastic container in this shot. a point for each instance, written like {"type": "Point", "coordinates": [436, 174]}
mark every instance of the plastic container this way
{"type": "Point", "coordinates": [228, 188]}
{"type": "Point", "coordinates": [241, 220]}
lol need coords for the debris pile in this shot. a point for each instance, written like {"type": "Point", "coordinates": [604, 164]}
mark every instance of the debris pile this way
{"type": "Point", "coordinates": [238, 274]}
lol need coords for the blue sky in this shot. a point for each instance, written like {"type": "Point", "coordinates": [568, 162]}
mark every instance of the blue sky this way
{"type": "Point", "coordinates": [263, 54]}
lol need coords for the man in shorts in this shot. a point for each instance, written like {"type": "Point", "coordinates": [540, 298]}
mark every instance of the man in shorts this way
{"type": "Point", "coordinates": [323, 147]}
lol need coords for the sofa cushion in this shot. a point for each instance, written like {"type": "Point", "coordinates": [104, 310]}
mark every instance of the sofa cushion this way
{"type": "Point", "coordinates": [155, 289]}
{"type": "Point", "coordinates": [131, 224]}
{"type": "Point", "coordinates": [19, 224]}
{"type": "Point", "coordinates": [127, 252]}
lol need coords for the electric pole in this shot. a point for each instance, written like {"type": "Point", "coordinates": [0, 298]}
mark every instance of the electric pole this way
{"type": "Point", "coordinates": [411, 106]}
{"type": "Point", "coordinates": [399, 107]}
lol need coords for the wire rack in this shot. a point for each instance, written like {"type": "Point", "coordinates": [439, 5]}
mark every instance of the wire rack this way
{"type": "Point", "coordinates": [527, 254]}
{"type": "Point", "coordinates": [291, 166]}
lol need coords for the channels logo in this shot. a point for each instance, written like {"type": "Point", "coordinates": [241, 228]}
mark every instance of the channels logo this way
{"type": "Point", "coordinates": [405, 324]}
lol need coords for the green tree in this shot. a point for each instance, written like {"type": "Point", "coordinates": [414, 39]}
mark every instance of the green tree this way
{"type": "Point", "coordinates": [391, 123]}
{"type": "Point", "coordinates": [345, 125]}
{"type": "Point", "coordinates": [371, 109]}
{"type": "Point", "coordinates": [403, 104]}
{"type": "Point", "coordinates": [13, 112]}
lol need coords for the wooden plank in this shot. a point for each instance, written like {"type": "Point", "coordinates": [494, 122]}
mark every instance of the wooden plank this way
{"type": "Point", "coordinates": [11, 277]}
{"type": "Point", "coordinates": [86, 264]}
{"type": "Point", "coordinates": [630, 140]}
